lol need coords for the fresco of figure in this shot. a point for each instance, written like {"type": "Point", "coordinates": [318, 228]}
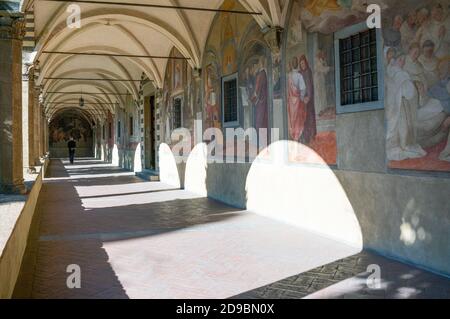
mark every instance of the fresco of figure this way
{"type": "Point", "coordinates": [441, 90]}
{"type": "Point", "coordinates": [417, 90]}
{"type": "Point", "coordinates": [401, 113]}
{"type": "Point", "coordinates": [316, 7]}
{"type": "Point", "coordinates": [429, 63]}
{"type": "Point", "coordinates": [412, 64]}
{"type": "Point", "coordinates": [432, 127]}
{"type": "Point", "coordinates": [321, 69]}
{"type": "Point", "coordinates": [247, 90]}
{"type": "Point", "coordinates": [310, 129]}
{"type": "Point", "coordinates": [296, 105]}
{"type": "Point", "coordinates": [392, 35]}
{"type": "Point", "coordinates": [177, 76]}
{"type": "Point", "coordinates": [260, 96]}
{"type": "Point", "coordinates": [212, 112]}
{"type": "Point", "coordinates": [435, 28]}
{"type": "Point", "coordinates": [415, 120]}
{"type": "Point", "coordinates": [408, 31]}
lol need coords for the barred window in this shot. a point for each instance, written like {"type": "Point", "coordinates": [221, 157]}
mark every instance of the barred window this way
{"type": "Point", "coordinates": [177, 113]}
{"type": "Point", "coordinates": [230, 100]}
{"type": "Point", "coordinates": [357, 73]}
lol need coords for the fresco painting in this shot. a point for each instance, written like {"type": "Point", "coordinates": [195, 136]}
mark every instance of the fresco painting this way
{"type": "Point", "coordinates": [417, 56]}
{"type": "Point", "coordinates": [166, 103]}
{"type": "Point", "coordinates": [254, 86]}
{"type": "Point", "coordinates": [178, 74]}
{"type": "Point", "coordinates": [221, 59]}
{"type": "Point", "coordinates": [66, 125]}
{"type": "Point", "coordinates": [328, 16]}
{"type": "Point", "coordinates": [228, 39]}
{"type": "Point", "coordinates": [310, 93]}
{"type": "Point", "coordinates": [61, 129]}
{"type": "Point", "coordinates": [212, 96]}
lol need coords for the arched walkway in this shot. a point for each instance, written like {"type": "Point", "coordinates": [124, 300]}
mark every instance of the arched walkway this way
{"type": "Point", "coordinates": [138, 239]}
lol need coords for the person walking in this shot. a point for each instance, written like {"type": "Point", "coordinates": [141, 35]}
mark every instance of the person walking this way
{"type": "Point", "coordinates": [72, 146]}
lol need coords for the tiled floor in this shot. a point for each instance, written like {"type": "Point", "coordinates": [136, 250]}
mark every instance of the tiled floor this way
{"type": "Point", "coordinates": [137, 239]}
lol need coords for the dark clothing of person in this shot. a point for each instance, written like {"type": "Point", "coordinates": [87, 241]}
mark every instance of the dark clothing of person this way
{"type": "Point", "coordinates": [72, 145]}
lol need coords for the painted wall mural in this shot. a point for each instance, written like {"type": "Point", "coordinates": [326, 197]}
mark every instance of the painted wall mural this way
{"type": "Point", "coordinates": [310, 84]}
{"type": "Point", "coordinates": [416, 39]}
{"type": "Point", "coordinates": [328, 16]}
{"type": "Point", "coordinates": [222, 57]}
{"type": "Point", "coordinates": [212, 94]}
{"type": "Point", "coordinates": [63, 127]}
{"type": "Point", "coordinates": [180, 82]}
{"type": "Point", "coordinates": [255, 78]}
{"type": "Point", "coordinates": [416, 47]}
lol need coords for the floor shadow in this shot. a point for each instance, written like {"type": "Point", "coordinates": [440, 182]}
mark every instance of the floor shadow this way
{"type": "Point", "coordinates": [347, 278]}
{"type": "Point", "coordinates": [71, 229]}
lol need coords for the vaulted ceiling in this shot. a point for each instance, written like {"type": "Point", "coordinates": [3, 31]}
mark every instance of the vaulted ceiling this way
{"type": "Point", "coordinates": [124, 30]}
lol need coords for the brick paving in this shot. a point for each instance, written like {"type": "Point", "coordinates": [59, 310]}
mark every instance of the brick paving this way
{"type": "Point", "coordinates": [138, 239]}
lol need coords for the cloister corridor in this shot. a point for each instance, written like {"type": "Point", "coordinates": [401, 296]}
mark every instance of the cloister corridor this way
{"type": "Point", "coordinates": [224, 149]}
{"type": "Point", "coordinates": [138, 239]}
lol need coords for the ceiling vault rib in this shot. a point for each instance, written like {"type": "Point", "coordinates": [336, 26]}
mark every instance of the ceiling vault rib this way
{"type": "Point", "coordinates": [93, 79]}
{"type": "Point", "coordinates": [160, 6]}
{"type": "Point", "coordinates": [87, 93]}
{"type": "Point", "coordinates": [117, 55]}
{"type": "Point", "coordinates": [74, 103]}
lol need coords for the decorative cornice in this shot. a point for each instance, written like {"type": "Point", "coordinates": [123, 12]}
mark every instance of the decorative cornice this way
{"type": "Point", "coordinates": [12, 27]}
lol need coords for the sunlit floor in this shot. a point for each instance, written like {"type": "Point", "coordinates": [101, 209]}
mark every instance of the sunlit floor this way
{"type": "Point", "coordinates": [137, 239]}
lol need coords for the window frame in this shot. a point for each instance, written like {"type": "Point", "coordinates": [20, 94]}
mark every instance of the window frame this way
{"type": "Point", "coordinates": [362, 106]}
{"type": "Point", "coordinates": [236, 123]}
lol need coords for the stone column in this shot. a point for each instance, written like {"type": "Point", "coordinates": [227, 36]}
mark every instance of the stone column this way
{"type": "Point", "coordinates": [31, 123]}
{"type": "Point", "coordinates": [42, 135]}
{"type": "Point", "coordinates": [11, 162]}
{"type": "Point", "coordinates": [36, 128]}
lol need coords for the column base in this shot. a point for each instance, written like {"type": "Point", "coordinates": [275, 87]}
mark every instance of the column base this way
{"type": "Point", "coordinates": [37, 162]}
{"type": "Point", "coordinates": [18, 188]}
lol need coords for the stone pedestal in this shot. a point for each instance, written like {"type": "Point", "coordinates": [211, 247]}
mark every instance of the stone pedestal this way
{"type": "Point", "coordinates": [11, 161]}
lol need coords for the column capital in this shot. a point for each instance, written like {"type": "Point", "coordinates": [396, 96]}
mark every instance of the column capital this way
{"type": "Point", "coordinates": [158, 93]}
{"type": "Point", "coordinates": [12, 27]}
{"type": "Point", "coordinates": [30, 76]}
{"type": "Point", "coordinates": [197, 73]}
{"type": "Point", "coordinates": [272, 35]}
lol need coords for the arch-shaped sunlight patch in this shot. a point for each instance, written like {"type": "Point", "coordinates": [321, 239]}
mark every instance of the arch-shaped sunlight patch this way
{"type": "Point", "coordinates": [306, 195]}
{"type": "Point", "coordinates": [137, 165]}
{"type": "Point", "coordinates": [115, 155]}
{"type": "Point", "coordinates": [168, 170]}
{"type": "Point", "coordinates": [196, 166]}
